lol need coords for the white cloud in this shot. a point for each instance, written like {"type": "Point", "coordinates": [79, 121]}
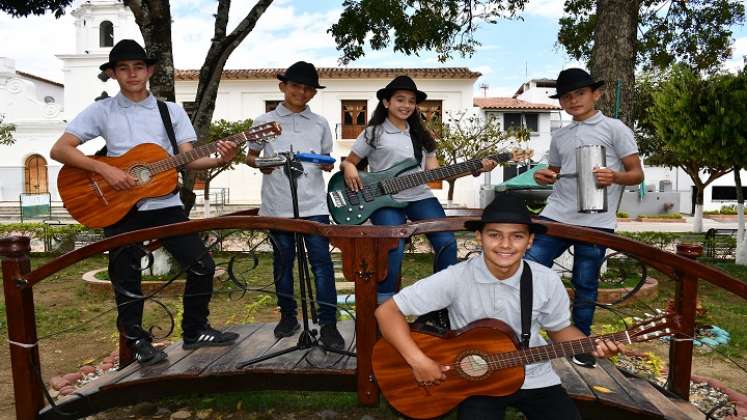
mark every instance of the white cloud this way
{"type": "Point", "coordinates": [282, 36]}
{"type": "Point", "coordinates": [739, 51]}
{"type": "Point", "coordinates": [32, 42]}
{"type": "Point", "coordinates": [552, 9]}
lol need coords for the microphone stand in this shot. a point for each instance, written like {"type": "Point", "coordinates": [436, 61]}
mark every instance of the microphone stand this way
{"type": "Point", "coordinates": [293, 168]}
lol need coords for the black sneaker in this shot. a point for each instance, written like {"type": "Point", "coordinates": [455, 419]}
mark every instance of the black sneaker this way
{"type": "Point", "coordinates": [330, 337]}
{"type": "Point", "coordinates": [585, 360]}
{"type": "Point", "coordinates": [287, 326]}
{"type": "Point", "coordinates": [145, 353]}
{"type": "Point", "coordinates": [209, 337]}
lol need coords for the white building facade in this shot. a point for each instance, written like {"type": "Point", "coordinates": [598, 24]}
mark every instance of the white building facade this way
{"type": "Point", "coordinates": [347, 103]}
{"type": "Point", "coordinates": [39, 109]}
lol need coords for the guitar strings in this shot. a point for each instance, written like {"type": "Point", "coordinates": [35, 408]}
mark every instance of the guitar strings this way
{"type": "Point", "coordinates": [205, 150]}
{"type": "Point", "coordinates": [518, 357]}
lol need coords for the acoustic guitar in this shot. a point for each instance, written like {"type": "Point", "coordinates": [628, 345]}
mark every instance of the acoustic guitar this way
{"type": "Point", "coordinates": [93, 202]}
{"type": "Point", "coordinates": [349, 207]}
{"type": "Point", "coordinates": [485, 360]}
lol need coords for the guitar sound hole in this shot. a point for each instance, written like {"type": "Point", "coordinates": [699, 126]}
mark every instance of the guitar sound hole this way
{"type": "Point", "coordinates": [141, 173]}
{"type": "Point", "coordinates": [473, 366]}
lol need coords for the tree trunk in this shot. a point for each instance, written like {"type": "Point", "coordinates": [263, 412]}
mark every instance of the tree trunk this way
{"type": "Point", "coordinates": [450, 194]}
{"type": "Point", "coordinates": [153, 17]}
{"type": "Point", "coordinates": [698, 221]}
{"type": "Point", "coordinates": [613, 55]}
{"type": "Point", "coordinates": [741, 253]}
{"type": "Point", "coordinates": [699, 188]}
{"type": "Point", "coordinates": [206, 199]}
{"type": "Point", "coordinates": [212, 68]}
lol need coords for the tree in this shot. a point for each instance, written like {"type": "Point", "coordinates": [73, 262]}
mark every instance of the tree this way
{"type": "Point", "coordinates": [6, 132]}
{"type": "Point", "coordinates": [153, 17]}
{"type": "Point", "coordinates": [34, 7]}
{"type": "Point", "coordinates": [615, 36]}
{"type": "Point", "coordinates": [219, 130]}
{"type": "Point", "coordinates": [729, 125]}
{"type": "Point", "coordinates": [465, 136]}
{"type": "Point", "coordinates": [692, 124]}
{"type": "Point", "coordinates": [443, 26]}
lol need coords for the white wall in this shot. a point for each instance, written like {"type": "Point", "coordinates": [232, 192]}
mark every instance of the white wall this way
{"type": "Point", "coordinates": [240, 99]}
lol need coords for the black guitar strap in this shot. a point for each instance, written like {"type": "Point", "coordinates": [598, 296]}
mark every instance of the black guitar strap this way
{"type": "Point", "coordinates": [525, 293]}
{"type": "Point", "coordinates": [166, 118]}
{"type": "Point", "coordinates": [169, 126]}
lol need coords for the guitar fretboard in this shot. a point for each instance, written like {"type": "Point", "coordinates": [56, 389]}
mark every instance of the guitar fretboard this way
{"type": "Point", "coordinates": [182, 159]}
{"type": "Point", "coordinates": [552, 351]}
{"type": "Point", "coordinates": [403, 182]}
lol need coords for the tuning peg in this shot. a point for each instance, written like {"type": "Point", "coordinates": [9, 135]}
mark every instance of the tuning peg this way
{"type": "Point", "coordinates": [636, 319]}
{"type": "Point", "coordinates": [659, 311]}
{"type": "Point", "coordinates": [648, 315]}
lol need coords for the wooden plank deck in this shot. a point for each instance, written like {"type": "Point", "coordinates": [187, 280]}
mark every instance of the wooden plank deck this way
{"type": "Point", "coordinates": [602, 393]}
{"type": "Point", "coordinates": [214, 369]}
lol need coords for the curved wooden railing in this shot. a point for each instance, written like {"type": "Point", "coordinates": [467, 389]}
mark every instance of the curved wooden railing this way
{"type": "Point", "coordinates": [364, 250]}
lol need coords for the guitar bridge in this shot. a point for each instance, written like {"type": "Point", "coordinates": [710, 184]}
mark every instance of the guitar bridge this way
{"type": "Point", "coordinates": [337, 198]}
{"type": "Point", "coordinates": [97, 190]}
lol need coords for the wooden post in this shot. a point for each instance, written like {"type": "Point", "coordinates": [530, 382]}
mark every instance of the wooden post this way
{"type": "Point", "coordinates": [19, 309]}
{"type": "Point", "coordinates": [365, 263]}
{"type": "Point", "coordinates": [685, 303]}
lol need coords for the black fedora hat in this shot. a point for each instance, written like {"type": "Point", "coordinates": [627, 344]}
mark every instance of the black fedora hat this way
{"type": "Point", "coordinates": [506, 208]}
{"type": "Point", "coordinates": [303, 73]}
{"type": "Point", "coordinates": [572, 79]}
{"type": "Point", "coordinates": [127, 49]}
{"type": "Point", "coordinates": [401, 83]}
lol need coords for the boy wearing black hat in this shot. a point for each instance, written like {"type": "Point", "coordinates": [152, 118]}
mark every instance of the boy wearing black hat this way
{"type": "Point", "coordinates": [303, 131]}
{"type": "Point", "coordinates": [488, 286]}
{"type": "Point", "coordinates": [577, 93]}
{"type": "Point", "coordinates": [126, 120]}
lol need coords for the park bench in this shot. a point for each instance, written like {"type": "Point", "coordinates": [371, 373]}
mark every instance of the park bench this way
{"type": "Point", "coordinates": [720, 244]}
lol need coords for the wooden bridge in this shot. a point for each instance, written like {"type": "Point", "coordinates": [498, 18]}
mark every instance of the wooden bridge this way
{"type": "Point", "coordinates": [364, 250]}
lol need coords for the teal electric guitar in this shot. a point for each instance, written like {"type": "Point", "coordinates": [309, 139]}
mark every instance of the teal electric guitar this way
{"type": "Point", "coordinates": [355, 207]}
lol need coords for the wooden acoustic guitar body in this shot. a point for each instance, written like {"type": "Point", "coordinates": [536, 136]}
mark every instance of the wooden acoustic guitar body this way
{"type": "Point", "coordinates": [394, 376]}
{"type": "Point", "coordinates": [93, 202]}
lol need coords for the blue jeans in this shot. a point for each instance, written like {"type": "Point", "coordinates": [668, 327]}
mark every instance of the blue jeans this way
{"type": "Point", "coordinates": [317, 247]}
{"type": "Point", "coordinates": [443, 243]}
{"type": "Point", "coordinates": [587, 260]}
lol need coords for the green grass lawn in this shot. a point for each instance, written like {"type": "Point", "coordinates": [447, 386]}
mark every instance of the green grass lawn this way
{"type": "Point", "coordinates": [63, 301]}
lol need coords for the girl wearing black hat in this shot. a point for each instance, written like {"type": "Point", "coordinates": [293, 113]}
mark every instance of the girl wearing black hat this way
{"type": "Point", "coordinates": [396, 133]}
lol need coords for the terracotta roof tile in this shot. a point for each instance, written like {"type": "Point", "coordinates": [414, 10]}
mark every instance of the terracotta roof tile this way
{"type": "Point", "coordinates": [511, 103]}
{"type": "Point", "coordinates": [39, 78]}
{"type": "Point", "coordinates": [343, 73]}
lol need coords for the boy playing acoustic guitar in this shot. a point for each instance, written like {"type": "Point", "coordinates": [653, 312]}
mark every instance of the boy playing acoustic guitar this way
{"type": "Point", "coordinates": [126, 120]}
{"type": "Point", "coordinates": [488, 286]}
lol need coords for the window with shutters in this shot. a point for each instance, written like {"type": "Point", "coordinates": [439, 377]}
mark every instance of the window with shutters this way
{"type": "Point", "coordinates": [354, 118]}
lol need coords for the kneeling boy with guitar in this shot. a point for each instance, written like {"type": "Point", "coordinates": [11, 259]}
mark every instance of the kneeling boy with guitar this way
{"type": "Point", "coordinates": [487, 286]}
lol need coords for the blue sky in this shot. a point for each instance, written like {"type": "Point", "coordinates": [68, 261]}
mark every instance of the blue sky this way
{"type": "Point", "coordinates": [291, 30]}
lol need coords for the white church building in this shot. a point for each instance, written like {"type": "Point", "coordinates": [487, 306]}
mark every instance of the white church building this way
{"type": "Point", "coordinates": [39, 108]}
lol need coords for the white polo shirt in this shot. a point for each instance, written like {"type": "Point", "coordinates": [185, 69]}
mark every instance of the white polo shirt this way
{"type": "Point", "coordinates": [618, 141]}
{"type": "Point", "coordinates": [390, 147]}
{"type": "Point", "coordinates": [470, 292]}
{"type": "Point", "coordinates": [125, 124]}
{"type": "Point", "coordinates": [306, 132]}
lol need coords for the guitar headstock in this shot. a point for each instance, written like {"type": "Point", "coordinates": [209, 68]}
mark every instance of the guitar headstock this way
{"type": "Point", "coordinates": [661, 325]}
{"type": "Point", "coordinates": [263, 133]}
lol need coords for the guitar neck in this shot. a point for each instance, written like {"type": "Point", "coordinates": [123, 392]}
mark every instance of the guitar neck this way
{"type": "Point", "coordinates": [554, 351]}
{"type": "Point", "coordinates": [205, 150]}
{"type": "Point", "coordinates": [404, 182]}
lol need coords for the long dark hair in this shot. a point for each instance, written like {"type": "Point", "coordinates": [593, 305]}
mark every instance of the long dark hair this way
{"type": "Point", "coordinates": [422, 138]}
